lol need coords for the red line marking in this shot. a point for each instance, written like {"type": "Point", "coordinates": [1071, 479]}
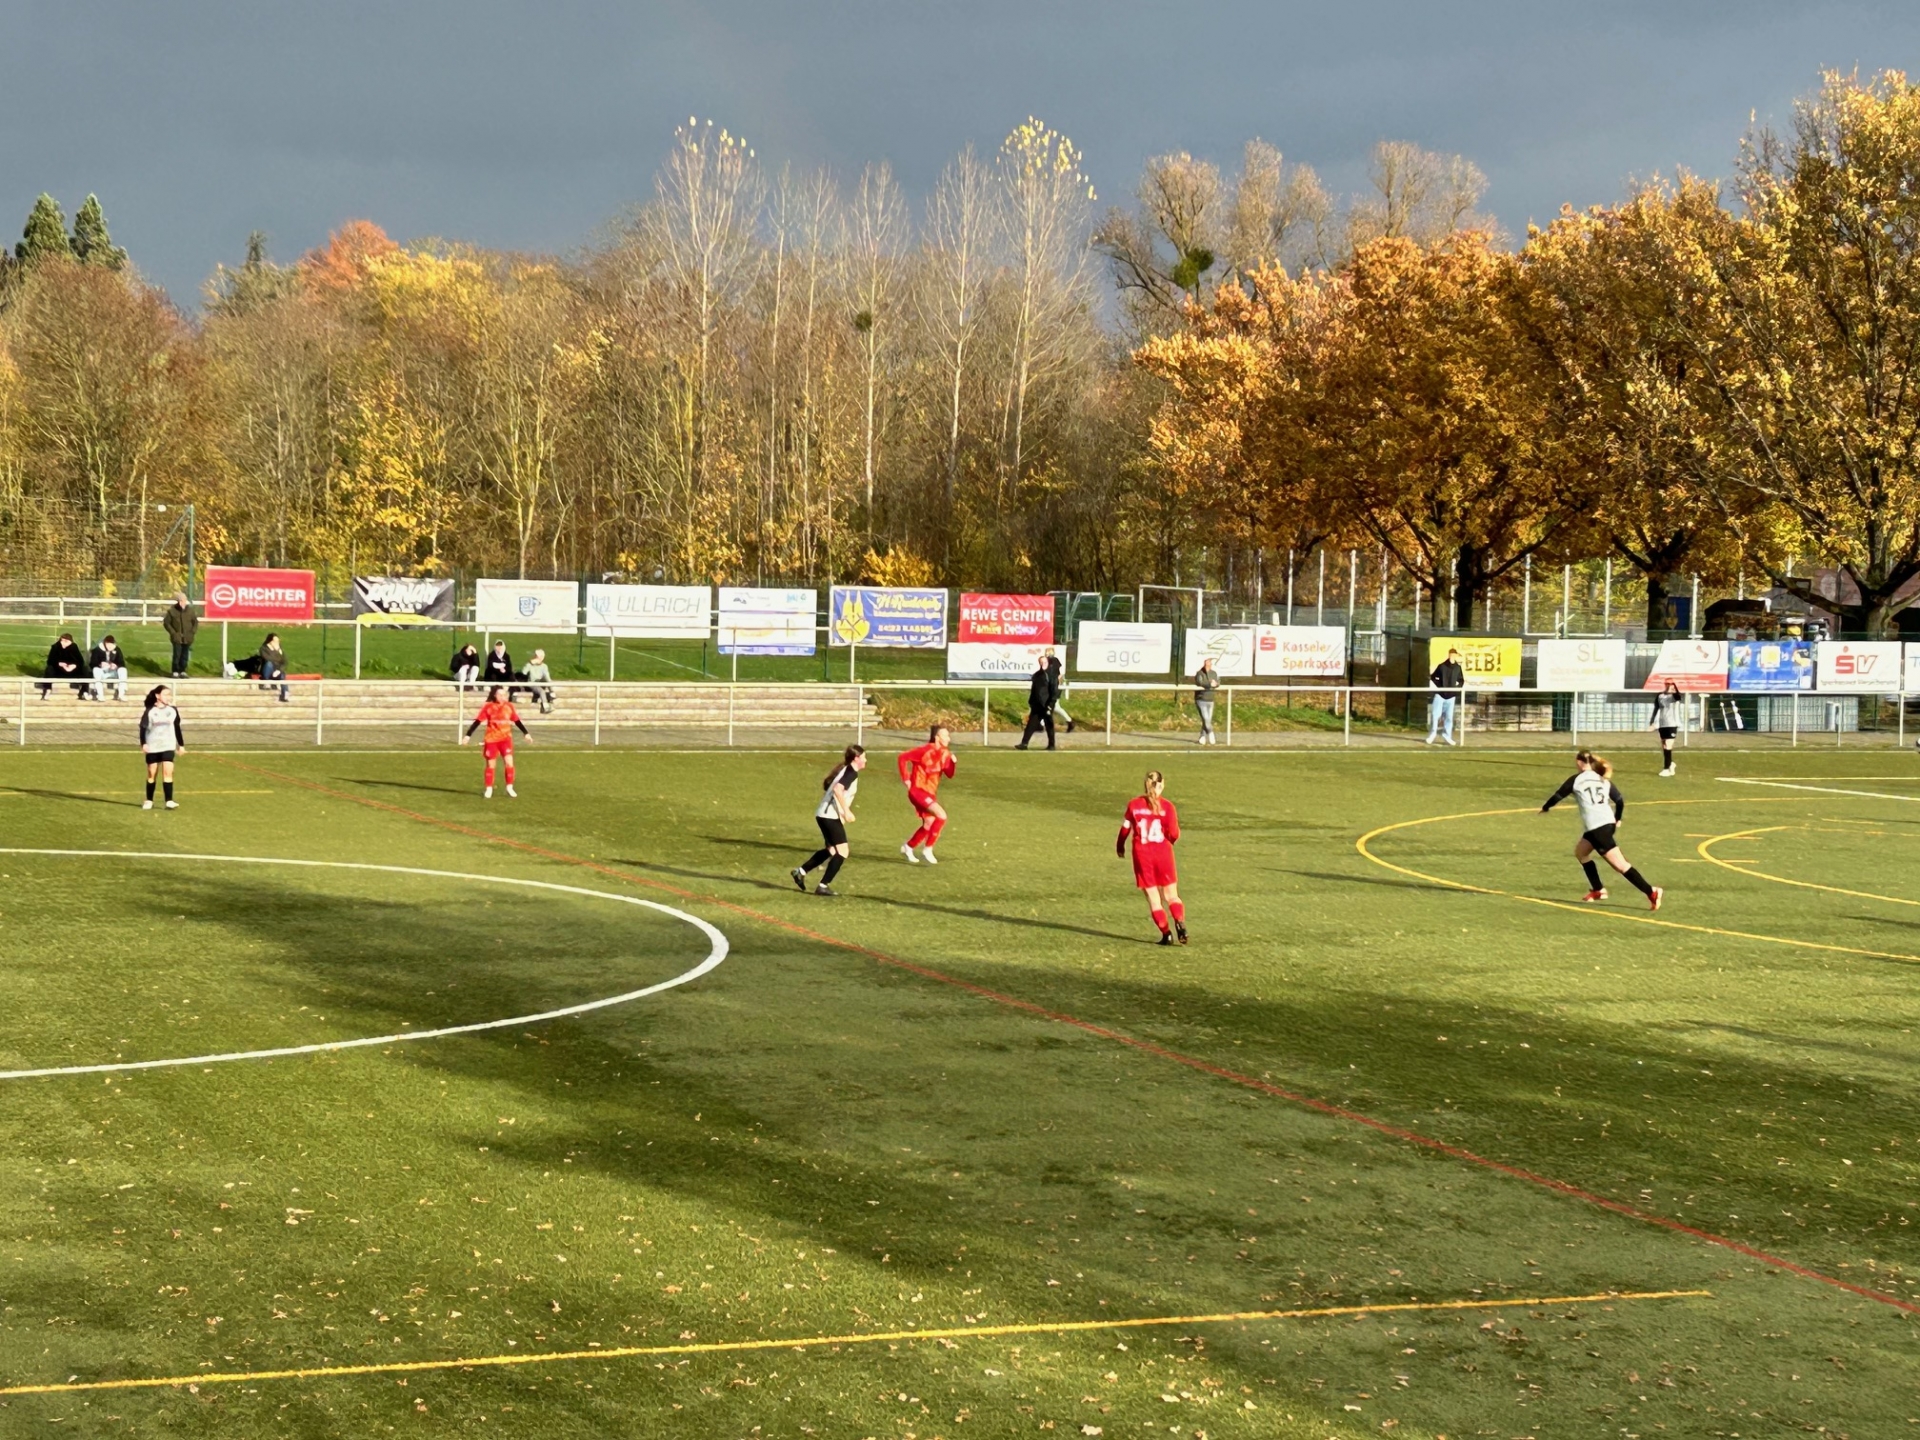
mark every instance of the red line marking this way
{"type": "Point", "coordinates": [1132, 1042]}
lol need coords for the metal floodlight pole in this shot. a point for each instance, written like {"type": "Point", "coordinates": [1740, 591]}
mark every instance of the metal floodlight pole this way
{"type": "Point", "coordinates": [1320, 596]}
{"type": "Point", "coordinates": [1566, 600]}
{"type": "Point", "coordinates": [1606, 603]}
{"type": "Point", "coordinates": [1289, 587]}
{"type": "Point", "coordinates": [1526, 597]}
{"type": "Point", "coordinates": [1693, 621]}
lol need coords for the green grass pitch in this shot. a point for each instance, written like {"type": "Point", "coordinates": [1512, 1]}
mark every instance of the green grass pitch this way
{"type": "Point", "coordinates": [967, 1098]}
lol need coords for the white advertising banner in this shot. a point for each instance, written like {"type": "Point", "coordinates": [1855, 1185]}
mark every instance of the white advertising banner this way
{"type": "Point", "coordinates": [1581, 665]}
{"type": "Point", "coordinates": [1319, 651]}
{"type": "Point", "coordinates": [1862, 667]}
{"type": "Point", "coordinates": [1232, 650]}
{"type": "Point", "coordinates": [650, 612]}
{"type": "Point", "coordinates": [1912, 686]}
{"type": "Point", "coordinates": [526, 606]}
{"type": "Point", "coordinates": [979, 660]}
{"type": "Point", "coordinates": [766, 622]}
{"type": "Point", "coordinates": [1110, 649]}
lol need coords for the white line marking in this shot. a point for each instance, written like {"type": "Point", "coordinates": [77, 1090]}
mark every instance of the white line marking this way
{"type": "Point", "coordinates": [1818, 789]}
{"type": "Point", "coordinates": [715, 955]}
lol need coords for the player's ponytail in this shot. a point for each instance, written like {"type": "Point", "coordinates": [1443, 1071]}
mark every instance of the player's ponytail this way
{"type": "Point", "coordinates": [1600, 766]}
{"type": "Point", "coordinates": [153, 695]}
{"type": "Point", "coordinates": [853, 751]}
{"type": "Point", "coordinates": [1156, 782]}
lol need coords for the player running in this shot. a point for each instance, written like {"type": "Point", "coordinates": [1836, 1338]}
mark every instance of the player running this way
{"type": "Point", "coordinates": [1154, 825]}
{"type": "Point", "coordinates": [500, 718]}
{"type": "Point", "coordinates": [1601, 808]}
{"type": "Point", "coordinates": [921, 771]}
{"type": "Point", "coordinates": [833, 814]}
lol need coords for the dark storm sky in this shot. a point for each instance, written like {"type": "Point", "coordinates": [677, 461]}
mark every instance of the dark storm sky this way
{"type": "Point", "coordinates": [527, 125]}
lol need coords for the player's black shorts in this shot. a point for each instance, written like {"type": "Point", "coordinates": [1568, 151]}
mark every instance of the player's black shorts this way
{"type": "Point", "coordinates": [1601, 839]}
{"type": "Point", "coordinates": [833, 830]}
{"type": "Point", "coordinates": [159, 757]}
{"type": "Point", "coordinates": [1667, 732]}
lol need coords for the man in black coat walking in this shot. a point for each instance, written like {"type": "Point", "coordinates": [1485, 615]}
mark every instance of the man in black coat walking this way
{"type": "Point", "coordinates": [1041, 693]}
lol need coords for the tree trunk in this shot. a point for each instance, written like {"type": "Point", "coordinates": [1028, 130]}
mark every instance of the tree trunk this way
{"type": "Point", "coordinates": [1657, 593]}
{"type": "Point", "coordinates": [1468, 582]}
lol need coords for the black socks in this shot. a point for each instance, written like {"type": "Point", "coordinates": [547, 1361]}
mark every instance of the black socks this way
{"type": "Point", "coordinates": [815, 861]}
{"type": "Point", "coordinates": [833, 869]}
{"type": "Point", "coordinates": [166, 785]}
{"type": "Point", "coordinates": [1639, 881]}
{"type": "Point", "coordinates": [1593, 874]}
{"type": "Point", "coordinates": [149, 789]}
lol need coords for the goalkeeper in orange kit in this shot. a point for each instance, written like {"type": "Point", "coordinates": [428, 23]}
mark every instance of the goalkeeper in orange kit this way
{"type": "Point", "coordinates": [500, 719]}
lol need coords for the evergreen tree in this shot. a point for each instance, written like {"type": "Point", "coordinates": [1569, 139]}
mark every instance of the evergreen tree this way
{"type": "Point", "coordinates": [91, 243]}
{"type": "Point", "coordinates": [46, 233]}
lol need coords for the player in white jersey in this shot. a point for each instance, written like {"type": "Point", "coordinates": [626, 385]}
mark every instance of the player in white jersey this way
{"type": "Point", "coordinates": [1602, 807]}
{"type": "Point", "coordinates": [833, 814]}
{"type": "Point", "coordinates": [160, 740]}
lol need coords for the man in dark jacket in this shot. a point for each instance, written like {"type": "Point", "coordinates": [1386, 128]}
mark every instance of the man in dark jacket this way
{"type": "Point", "coordinates": [65, 662]}
{"type": "Point", "coordinates": [1040, 698]}
{"type": "Point", "coordinates": [1053, 694]}
{"type": "Point", "coordinates": [182, 623]}
{"type": "Point", "coordinates": [1447, 679]}
{"type": "Point", "coordinates": [498, 669]}
{"type": "Point", "coordinates": [108, 663]}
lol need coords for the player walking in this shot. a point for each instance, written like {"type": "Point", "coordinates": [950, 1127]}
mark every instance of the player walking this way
{"type": "Point", "coordinates": [833, 814]}
{"type": "Point", "coordinates": [500, 718]}
{"type": "Point", "coordinates": [1667, 706]}
{"type": "Point", "coordinates": [160, 740]}
{"type": "Point", "coordinates": [1154, 825]}
{"type": "Point", "coordinates": [921, 771]}
{"type": "Point", "coordinates": [1601, 808]}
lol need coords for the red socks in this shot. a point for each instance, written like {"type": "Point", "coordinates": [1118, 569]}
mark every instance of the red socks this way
{"type": "Point", "coordinates": [918, 838]}
{"type": "Point", "coordinates": [934, 827]}
{"type": "Point", "coordinates": [1160, 919]}
{"type": "Point", "coordinates": [510, 773]}
{"type": "Point", "coordinates": [928, 832]}
{"type": "Point", "coordinates": [1179, 910]}
{"type": "Point", "coordinates": [489, 774]}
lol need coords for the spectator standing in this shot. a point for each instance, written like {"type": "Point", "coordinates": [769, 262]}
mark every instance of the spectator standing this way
{"type": "Point", "coordinates": [1040, 694]}
{"type": "Point", "coordinates": [1447, 680]}
{"type": "Point", "coordinates": [541, 676]}
{"type": "Point", "coordinates": [273, 663]}
{"type": "Point", "coordinates": [65, 662]}
{"type": "Point", "coordinates": [497, 669]}
{"type": "Point", "coordinates": [108, 663]}
{"type": "Point", "coordinates": [182, 623]}
{"type": "Point", "coordinates": [1206, 689]}
{"type": "Point", "coordinates": [465, 664]}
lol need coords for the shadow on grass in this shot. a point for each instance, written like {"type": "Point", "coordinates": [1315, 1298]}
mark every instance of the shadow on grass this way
{"type": "Point", "coordinates": [69, 795]}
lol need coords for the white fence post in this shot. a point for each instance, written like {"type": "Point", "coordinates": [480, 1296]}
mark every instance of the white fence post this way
{"type": "Point", "coordinates": [1346, 733]}
{"type": "Point", "coordinates": [596, 715]}
{"type": "Point", "coordinates": [357, 628]}
{"type": "Point", "coordinates": [319, 712]}
{"type": "Point", "coordinates": [860, 714]}
{"type": "Point", "coordinates": [23, 714]}
{"type": "Point", "coordinates": [1229, 690]}
{"type": "Point", "coordinates": [730, 689]}
{"type": "Point", "coordinates": [986, 699]}
{"type": "Point", "coordinates": [1109, 714]}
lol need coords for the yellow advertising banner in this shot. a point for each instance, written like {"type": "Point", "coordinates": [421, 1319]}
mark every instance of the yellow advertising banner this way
{"type": "Point", "coordinates": [1490, 663]}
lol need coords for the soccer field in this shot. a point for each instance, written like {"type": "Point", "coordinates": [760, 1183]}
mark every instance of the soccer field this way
{"type": "Point", "coordinates": [1407, 1141]}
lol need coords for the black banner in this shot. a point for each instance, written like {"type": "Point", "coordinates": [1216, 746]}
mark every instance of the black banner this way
{"type": "Point", "coordinates": [401, 600]}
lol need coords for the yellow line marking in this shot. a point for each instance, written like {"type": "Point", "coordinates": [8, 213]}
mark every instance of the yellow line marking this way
{"type": "Point", "coordinates": [814, 1342]}
{"type": "Point", "coordinates": [1706, 853]}
{"type": "Point", "coordinates": [1580, 908]}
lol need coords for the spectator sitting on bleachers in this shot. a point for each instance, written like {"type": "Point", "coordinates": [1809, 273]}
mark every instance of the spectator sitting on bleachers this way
{"type": "Point", "coordinates": [498, 669]}
{"type": "Point", "coordinates": [247, 667]}
{"type": "Point", "coordinates": [465, 664]}
{"type": "Point", "coordinates": [65, 662]}
{"type": "Point", "coordinates": [542, 677]}
{"type": "Point", "coordinates": [273, 663]}
{"type": "Point", "coordinates": [108, 664]}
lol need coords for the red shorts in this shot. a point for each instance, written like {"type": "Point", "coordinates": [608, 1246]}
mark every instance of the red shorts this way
{"type": "Point", "coordinates": [497, 749]}
{"type": "Point", "coordinates": [922, 802]}
{"type": "Point", "coordinates": [1153, 867]}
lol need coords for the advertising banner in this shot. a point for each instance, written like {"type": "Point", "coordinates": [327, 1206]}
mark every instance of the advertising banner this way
{"type": "Point", "coordinates": [975, 660]}
{"type": "Point", "coordinates": [1317, 651]}
{"type": "Point", "coordinates": [401, 600]}
{"type": "Point", "coordinates": [1110, 649]}
{"type": "Point", "coordinates": [650, 612]}
{"type": "Point", "coordinates": [1490, 663]}
{"type": "Point", "coordinates": [1693, 665]}
{"type": "Point", "coordinates": [877, 615]}
{"type": "Point", "coordinates": [1232, 650]}
{"type": "Point", "coordinates": [1581, 665]}
{"type": "Point", "coordinates": [526, 606]}
{"type": "Point", "coordinates": [1912, 685]}
{"type": "Point", "coordinates": [1004, 620]}
{"type": "Point", "coordinates": [765, 622]}
{"type": "Point", "coordinates": [1769, 665]}
{"type": "Point", "coordinates": [1861, 667]}
{"type": "Point", "coordinates": [240, 592]}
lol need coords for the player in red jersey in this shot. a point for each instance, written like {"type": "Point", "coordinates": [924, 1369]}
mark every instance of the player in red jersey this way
{"type": "Point", "coordinates": [1154, 825]}
{"type": "Point", "coordinates": [500, 718]}
{"type": "Point", "coordinates": [921, 771]}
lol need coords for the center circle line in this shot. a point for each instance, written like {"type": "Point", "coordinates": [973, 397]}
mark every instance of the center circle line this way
{"type": "Point", "coordinates": [715, 955]}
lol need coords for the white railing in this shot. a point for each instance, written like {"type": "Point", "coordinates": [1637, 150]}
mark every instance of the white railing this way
{"type": "Point", "coordinates": [598, 706]}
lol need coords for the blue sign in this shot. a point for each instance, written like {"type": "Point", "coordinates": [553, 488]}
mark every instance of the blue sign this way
{"type": "Point", "coordinates": [883, 616]}
{"type": "Point", "coordinates": [1780, 665]}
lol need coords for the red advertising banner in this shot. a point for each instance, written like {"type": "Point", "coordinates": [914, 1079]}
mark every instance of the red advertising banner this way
{"type": "Point", "coordinates": [1005, 620]}
{"type": "Point", "coordinates": [240, 592]}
